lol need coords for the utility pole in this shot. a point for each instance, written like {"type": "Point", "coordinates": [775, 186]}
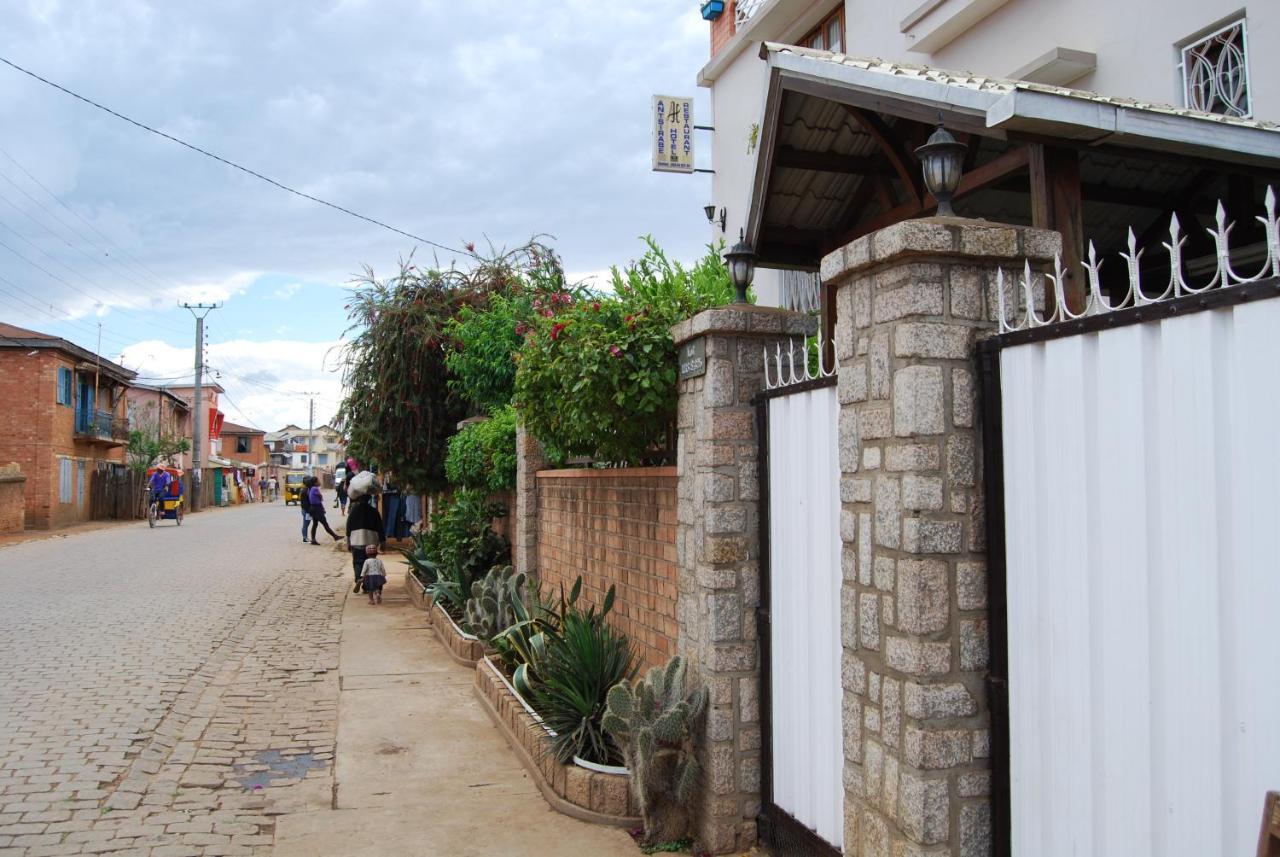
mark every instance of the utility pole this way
{"type": "Point", "coordinates": [311, 437]}
{"type": "Point", "coordinates": [199, 311]}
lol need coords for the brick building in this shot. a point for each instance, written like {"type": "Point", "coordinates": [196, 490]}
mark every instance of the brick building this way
{"type": "Point", "coordinates": [160, 413]}
{"type": "Point", "coordinates": [64, 418]}
{"type": "Point", "coordinates": [244, 444]}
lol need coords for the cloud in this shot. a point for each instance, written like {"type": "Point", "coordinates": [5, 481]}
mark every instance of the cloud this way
{"type": "Point", "coordinates": [287, 291]}
{"type": "Point", "coordinates": [299, 373]}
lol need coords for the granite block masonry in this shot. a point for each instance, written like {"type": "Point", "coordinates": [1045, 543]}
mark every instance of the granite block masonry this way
{"type": "Point", "coordinates": [530, 458]}
{"type": "Point", "coordinates": [718, 557]}
{"type": "Point", "coordinates": [911, 301]}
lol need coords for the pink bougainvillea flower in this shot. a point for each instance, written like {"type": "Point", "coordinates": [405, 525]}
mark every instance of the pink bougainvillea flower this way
{"type": "Point", "coordinates": [556, 330]}
{"type": "Point", "coordinates": [471, 247]}
{"type": "Point", "coordinates": [615, 351]}
{"type": "Point", "coordinates": [596, 306]}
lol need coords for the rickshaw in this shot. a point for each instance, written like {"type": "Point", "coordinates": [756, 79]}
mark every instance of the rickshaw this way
{"type": "Point", "coordinates": [170, 506]}
{"type": "Point", "coordinates": [293, 488]}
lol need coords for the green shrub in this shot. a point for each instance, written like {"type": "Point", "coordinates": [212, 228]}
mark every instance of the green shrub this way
{"type": "Point", "coordinates": [597, 376]}
{"type": "Point", "coordinates": [463, 546]}
{"type": "Point", "coordinates": [483, 455]}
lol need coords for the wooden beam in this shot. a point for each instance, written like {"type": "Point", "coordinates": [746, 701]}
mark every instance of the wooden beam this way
{"type": "Point", "coordinates": [1056, 203]}
{"type": "Point", "coordinates": [890, 143]}
{"type": "Point", "coordinates": [995, 170]}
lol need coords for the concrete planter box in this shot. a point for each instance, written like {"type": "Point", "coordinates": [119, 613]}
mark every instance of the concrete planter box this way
{"type": "Point", "coordinates": [418, 595]}
{"type": "Point", "coordinates": [591, 795]}
{"type": "Point", "coordinates": [464, 648]}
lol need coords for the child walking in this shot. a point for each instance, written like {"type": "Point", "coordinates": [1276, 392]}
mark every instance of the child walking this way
{"type": "Point", "coordinates": [373, 575]}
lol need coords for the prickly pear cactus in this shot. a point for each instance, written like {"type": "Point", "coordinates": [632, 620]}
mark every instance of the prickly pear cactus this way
{"type": "Point", "coordinates": [491, 609]}
{"type": "Point", "coordinates": [652, 721]}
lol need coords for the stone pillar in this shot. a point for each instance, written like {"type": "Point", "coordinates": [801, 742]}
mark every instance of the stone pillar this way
{"type": "Point", "coordinates": [524, 528]}
{"type": "Point", "coordinates": [912, 300]}
{"type": "Point", "coordinates": [718, 549]}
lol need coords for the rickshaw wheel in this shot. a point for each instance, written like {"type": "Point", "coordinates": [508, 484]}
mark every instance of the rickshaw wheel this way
{"type": "Point", "coordinates": [151, 516]}
{"type": "Point", "coordinates": [177, 513]}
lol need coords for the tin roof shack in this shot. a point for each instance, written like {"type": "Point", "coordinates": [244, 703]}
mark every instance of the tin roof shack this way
{"type": "Point", "coordinates": [64, 418]}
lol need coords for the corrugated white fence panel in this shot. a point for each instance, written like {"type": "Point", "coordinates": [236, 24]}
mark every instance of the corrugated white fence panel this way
{"type": "Point", "coordinates": [1142, 505]}
{"type": "Point", "coordinates": [804, 567]}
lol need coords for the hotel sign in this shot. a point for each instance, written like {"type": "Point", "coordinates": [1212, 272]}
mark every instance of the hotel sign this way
{"type": "Point", "coordinates": [672, 134]}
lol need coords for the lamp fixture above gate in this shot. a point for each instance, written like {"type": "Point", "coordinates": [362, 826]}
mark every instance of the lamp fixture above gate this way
{"type": "Point", "coordinates": [942, 159]}
{"type": "Point", "coordinates": [741, 262]}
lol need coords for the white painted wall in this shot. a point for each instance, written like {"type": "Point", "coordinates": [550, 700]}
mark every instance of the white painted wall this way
{"type": "Point", "coordinates": [804, 609]}
{"type": "Point", "coordinates": [1136, 42]}
{"type": "Point", "coordinates": [1141, 505]}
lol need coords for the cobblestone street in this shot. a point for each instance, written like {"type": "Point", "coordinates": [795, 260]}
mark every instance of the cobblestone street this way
{"type": "Point", "coordinates": [166, 692]}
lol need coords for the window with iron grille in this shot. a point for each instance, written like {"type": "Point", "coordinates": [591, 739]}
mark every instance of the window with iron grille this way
{"type": "Point", "coordinates": [64, 480]}
{"type": "Point", "coordinates": [1215, 72]}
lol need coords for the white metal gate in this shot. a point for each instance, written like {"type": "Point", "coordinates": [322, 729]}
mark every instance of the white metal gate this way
{"type": "Point", "coordinates": [1142, 502]}
{"type": "Point", "coordinates": [802, 598]}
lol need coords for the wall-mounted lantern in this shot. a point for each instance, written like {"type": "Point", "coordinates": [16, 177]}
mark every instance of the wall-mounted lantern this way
{"type": "Point", "coordinates": [712, 9]}
{"type": "Point", "coordinates": [710, 211]}
{"type": "Point", "coordinates": [942, 159]}
{"type": "Point", "coordinates": [741, 262]}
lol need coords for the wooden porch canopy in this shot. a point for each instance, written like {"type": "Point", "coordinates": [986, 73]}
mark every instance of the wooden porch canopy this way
{"type": "Point", "coordinates": [836, 160]}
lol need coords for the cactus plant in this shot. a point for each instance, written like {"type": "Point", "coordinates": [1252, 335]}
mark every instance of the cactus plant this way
{"type": "Point", "coordinates": [652, 722]}
{"type": "Point", "coordinates": [496, 603]}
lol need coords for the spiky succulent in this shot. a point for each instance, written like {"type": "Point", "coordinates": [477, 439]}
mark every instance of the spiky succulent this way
{"type": "Point", "coordinates": [496, 602]}
{"type": "Point", "coordinates": [652, 721]}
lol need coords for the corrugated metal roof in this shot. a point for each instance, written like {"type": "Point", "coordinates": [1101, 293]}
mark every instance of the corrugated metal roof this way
{"type": "Point", "coordinates": [1003, 86]}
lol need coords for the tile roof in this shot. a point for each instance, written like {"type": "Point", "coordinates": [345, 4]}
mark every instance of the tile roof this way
{"type": "Point", "coordinates": [1003, 86]}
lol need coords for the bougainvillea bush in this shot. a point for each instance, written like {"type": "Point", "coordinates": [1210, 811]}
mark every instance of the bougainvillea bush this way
{"type": "Point", "coordinates": [406, 389]}
{"type": "Point", "coordinates": [597, 372]}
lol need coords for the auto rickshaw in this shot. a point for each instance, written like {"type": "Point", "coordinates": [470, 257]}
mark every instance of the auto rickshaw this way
{"type": "Point", "coordinates": [170, 506]}
{"type": "Point", "coordinates": [293, 488]}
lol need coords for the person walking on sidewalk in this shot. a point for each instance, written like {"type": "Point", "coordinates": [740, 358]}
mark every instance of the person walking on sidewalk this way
{"type": "Point", "coordinates": [373, 575]}
{"type": "Point", "coordinates": [316, 498]}
{"type": "Point", "coordinates": [340, 492]}
{"type": "Point", "coordinates": [305, 505]}
{"type": "Point", "coordinates": [364, 528]}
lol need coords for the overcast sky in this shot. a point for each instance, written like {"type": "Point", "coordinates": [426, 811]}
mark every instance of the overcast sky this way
{"type": "Point", "coordinates": [450, 120]}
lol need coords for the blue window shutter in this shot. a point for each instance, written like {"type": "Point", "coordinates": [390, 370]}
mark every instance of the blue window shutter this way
{"type": "Point", "coordinates": [64, 385]}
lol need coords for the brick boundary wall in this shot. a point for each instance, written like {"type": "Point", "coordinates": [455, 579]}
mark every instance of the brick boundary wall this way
{"type": "Point", "coordinates": [13, 510]}
{"type": "Point", "coordinates": [614, 527]}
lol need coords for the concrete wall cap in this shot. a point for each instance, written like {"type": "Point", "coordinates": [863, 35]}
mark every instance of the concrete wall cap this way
{"type": "Point", "coordinates": [6, 478]}
{"type": "Point", "coordinates": [745, 320]}
{"type": "Point", "coordinates": [957, 238]}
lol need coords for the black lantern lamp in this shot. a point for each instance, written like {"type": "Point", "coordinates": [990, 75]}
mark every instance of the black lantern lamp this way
{"type": "Point", "coordinates": [942, 159]}
{"type": "Point", "coordinates": [741, 262]}
{"type": "Point", "coordinates": [710, 211]}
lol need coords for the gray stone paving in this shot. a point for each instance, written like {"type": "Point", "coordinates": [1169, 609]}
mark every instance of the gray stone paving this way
{"type": "Point", "coordinates": [166, 692]}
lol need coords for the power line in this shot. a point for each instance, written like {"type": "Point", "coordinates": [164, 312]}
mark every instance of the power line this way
{"type": "Point", "coordinates": [125, 253]}
{"type": "Point", "coordinates": [240, 411]}
{"type": "Point", "coordinates": [85, 327]}
{"type": "Point", "coordinates": [229, 163]}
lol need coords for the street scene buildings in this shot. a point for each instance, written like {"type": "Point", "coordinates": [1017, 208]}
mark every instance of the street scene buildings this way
{"type": "Point", "coordinates": [905, 491]}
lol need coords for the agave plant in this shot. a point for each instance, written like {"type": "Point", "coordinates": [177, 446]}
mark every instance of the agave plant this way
{"type": "Point", "coordinates": [523, 646]}
{"type": "Point", "coordinates": [581, 661]}
{"type": "Point", "coordinates": [424, 568]}
{"type": "Point", "coordinates": [652, 721]}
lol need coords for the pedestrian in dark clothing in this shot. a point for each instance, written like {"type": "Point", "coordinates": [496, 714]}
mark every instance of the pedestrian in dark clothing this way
{"type": "Point", "coordinates": [364, 528]}
{"type": "Point", "coordinates": [341, 491]}
{"type": "Point", "coordinates": [316, 500]}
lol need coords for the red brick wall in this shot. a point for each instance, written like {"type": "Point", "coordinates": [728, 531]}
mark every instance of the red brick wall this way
{"type": "Point", "coordinates": [615, 527]}
{"type": "Point", "coordinates": [35, 431]}
{"type": "Point", "coordinates": [723, 28]}
{"type": "Point", "coordinates": [12, 505]}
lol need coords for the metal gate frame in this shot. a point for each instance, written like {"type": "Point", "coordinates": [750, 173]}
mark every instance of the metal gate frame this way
{"type": "Point", "coordinates": [988, 367]}
{"type": "Point", "coordinates": [777, 828]}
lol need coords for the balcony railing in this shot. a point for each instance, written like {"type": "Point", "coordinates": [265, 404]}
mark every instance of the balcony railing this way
{"type": "Point", "coordinates": [744, 9]}
{"type": "Point", "coordinates": [102, 425]}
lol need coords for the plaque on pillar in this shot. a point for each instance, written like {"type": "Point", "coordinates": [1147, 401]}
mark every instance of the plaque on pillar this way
{"type": "Point", "coordinates": [693, 358]}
